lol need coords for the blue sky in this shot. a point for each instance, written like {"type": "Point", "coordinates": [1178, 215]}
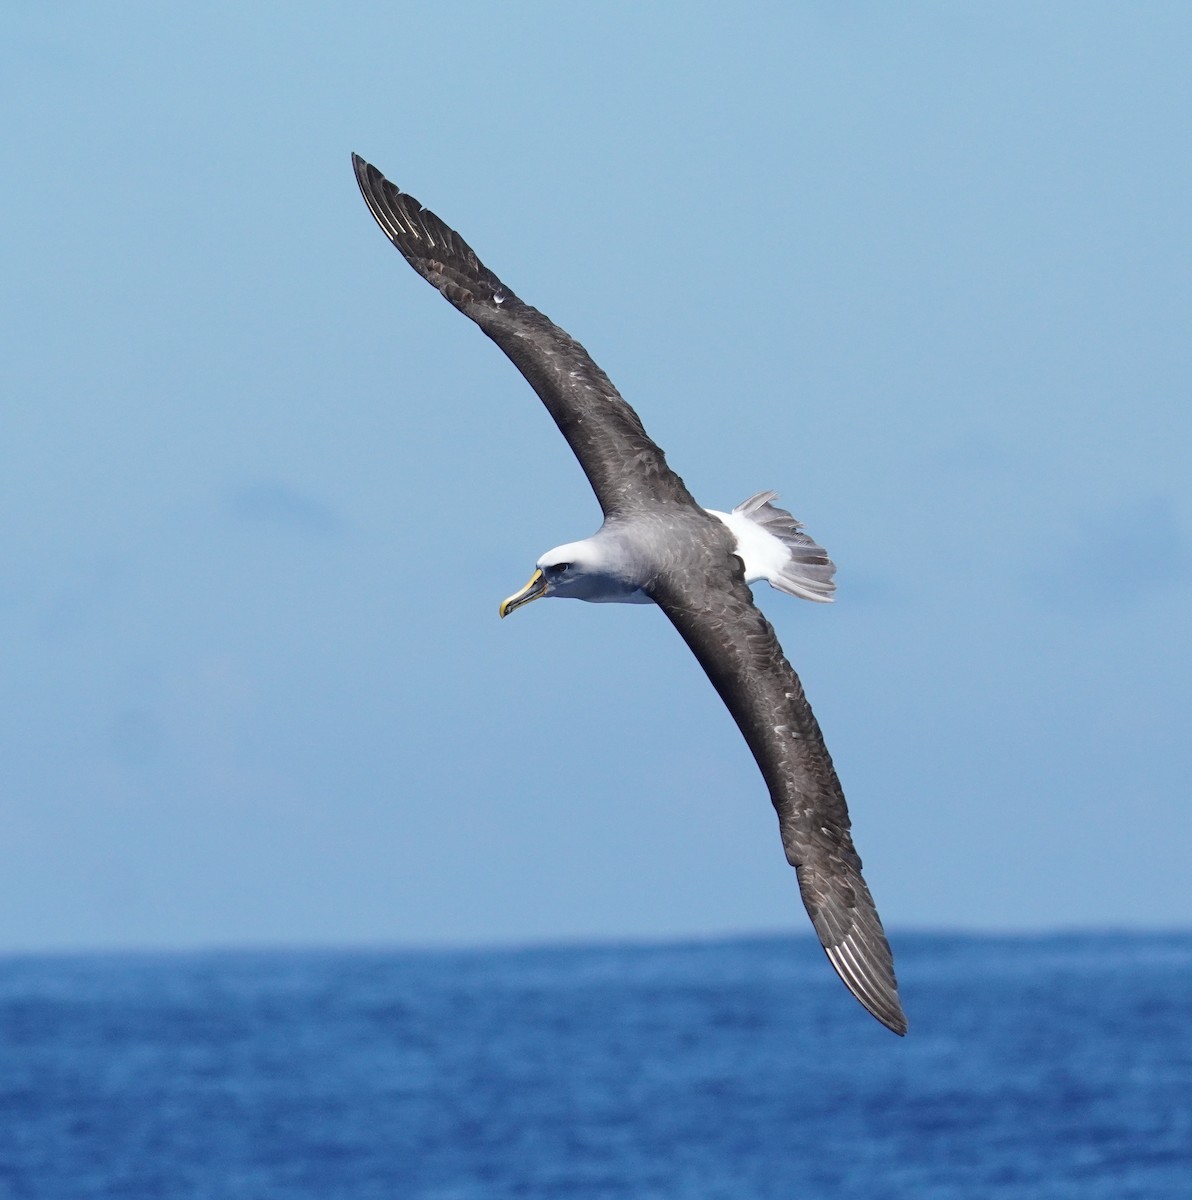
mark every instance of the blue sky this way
{"type": "Point", "coordinates": [924, 269]}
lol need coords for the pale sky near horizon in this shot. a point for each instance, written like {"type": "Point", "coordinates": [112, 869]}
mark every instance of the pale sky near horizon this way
{"type": "Point", "coordinates": [924, 269]}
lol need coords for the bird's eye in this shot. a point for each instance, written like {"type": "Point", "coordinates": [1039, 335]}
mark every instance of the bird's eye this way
{"type": "Point", "coordinates": [561, 567]}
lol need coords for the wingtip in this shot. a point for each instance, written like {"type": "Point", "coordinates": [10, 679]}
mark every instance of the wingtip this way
{"type": "Point", "coordinates": [871, 982]}
{"type": "Point", "coordinates": [888, 1012]}
{"type": "Point", "coordinates": [895, 1022]}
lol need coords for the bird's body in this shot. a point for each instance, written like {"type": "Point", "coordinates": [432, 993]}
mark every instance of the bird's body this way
{"type": "Point", "coordinates": [657, 545]}
{"type": "Point", "coordinates": [617, 563]}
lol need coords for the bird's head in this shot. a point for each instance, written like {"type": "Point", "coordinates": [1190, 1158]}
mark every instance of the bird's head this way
{"type": "Point", "coordinates": [576, 571]}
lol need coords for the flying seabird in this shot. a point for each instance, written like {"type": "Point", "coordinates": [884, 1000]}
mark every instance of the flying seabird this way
{"type": "Point", "coordinates": [658, 545]}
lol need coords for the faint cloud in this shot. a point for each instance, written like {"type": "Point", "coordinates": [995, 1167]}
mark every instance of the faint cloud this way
{"type": "Point", "coordinates": [976, 451]}
{"type": "Point", "coordinates": [135, 736]}
{"type": "Point", "coordinates": [1118, 558]}
{"type": "Point", "coordinates": [278, 504]}
{"type": "Point", "coordinates": [861, 589]}
{"type": "Point", "coordinates": [90, 595]}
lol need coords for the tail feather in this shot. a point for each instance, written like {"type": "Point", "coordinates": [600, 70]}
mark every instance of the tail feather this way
{"type": "Point", "coordinates": [808, 573]}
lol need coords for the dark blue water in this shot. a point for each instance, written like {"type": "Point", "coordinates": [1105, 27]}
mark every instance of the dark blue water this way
{"type": "Point", "coordinates": [1041, 1067]}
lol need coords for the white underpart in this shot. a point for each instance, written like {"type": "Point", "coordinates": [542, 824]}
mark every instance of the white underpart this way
{"type": "Point", "coordinates": [792, 563]}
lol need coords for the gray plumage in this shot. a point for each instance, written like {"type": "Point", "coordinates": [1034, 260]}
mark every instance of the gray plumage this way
{"type": "Point", "coordinates": [658, 544]}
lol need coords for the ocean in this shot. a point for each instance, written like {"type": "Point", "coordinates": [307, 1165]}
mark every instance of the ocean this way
{"type": "Point", "coordinates": [1035, 1067]}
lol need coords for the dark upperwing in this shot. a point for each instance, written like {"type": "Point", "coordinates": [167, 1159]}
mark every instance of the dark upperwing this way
{"type": "Point", "coordinates": [712, 608]}
{"type": "Point", "coordinates": [625, 468]}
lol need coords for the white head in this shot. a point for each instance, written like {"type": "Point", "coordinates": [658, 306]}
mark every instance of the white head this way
{"type": "Point", "coordinates": [576, 571]}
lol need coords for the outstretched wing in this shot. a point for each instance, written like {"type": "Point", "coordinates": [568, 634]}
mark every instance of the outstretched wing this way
{"type": "Point", "coordinates": [713, 609]}
{"type": "Point", "coordinates": [625, 468]}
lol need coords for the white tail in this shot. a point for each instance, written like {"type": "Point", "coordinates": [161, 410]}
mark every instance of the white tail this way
{"type": "Point", "coordinates": [773, 546]}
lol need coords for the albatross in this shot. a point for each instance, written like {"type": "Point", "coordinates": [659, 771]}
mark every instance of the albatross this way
{"type": "Point", "coordinates": [657, 545]}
